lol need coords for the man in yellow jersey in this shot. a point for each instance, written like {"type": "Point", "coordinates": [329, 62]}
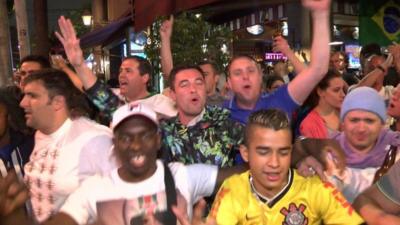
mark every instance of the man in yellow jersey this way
{"type": "Point", "coordinates": [271, 192]}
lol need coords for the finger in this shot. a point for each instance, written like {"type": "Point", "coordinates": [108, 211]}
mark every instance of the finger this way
{"type": "Point", "coordinates": [171, 18]}
{"type": "Point", "coordinates": [180, 216]}
{"type": "Point", "coordinates": [60, 38]}
{"type": "Point", "coordinates": [199, 210]}
{"type": "Point", "coordinates": [320, 172]}
{"type": "Point", "coordinates": [62, 26]}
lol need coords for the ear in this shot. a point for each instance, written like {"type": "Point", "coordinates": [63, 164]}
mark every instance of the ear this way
{"type": "Point", "coordinates": [216, 79]}
{"type": "Point", "coordinates": [172, 94]}
{"type": "Point", "coordinates": [58, 102]}
{"type": "Point", "coordinates": [319, 92]}
{"type": "Point", "coordinates": [145, 78]}
{"type": "Point", "coordinates": [244, 152]}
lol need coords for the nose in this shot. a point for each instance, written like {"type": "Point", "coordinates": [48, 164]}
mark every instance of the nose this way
{"type": "Point", "coordinates": [361, 126]}
{"type": "Point", "coordinates": [24, 102]}
{"type": "Point", "coordinates": [274, 160]}
{"type": "Point", "coordinates": [245, 76]}
{"type": "Point", "coordinates": [135, 144]}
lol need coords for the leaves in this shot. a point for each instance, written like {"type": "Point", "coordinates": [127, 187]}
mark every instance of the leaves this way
{"type": "Point", "coordinates": [193, 40]}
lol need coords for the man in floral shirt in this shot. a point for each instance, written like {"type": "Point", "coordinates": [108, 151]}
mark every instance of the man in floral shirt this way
{"type": "Point", "coordinates": [199, 133]}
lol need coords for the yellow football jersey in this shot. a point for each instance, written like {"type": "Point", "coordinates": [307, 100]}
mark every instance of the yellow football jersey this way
{"type": "Point", "coordinates": [303, 201]}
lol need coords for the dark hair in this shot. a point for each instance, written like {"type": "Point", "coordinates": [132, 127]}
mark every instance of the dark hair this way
{"type": "Point", "coordinates": [370, 49]}
{"type": "Point", "coordinates": [177, 69]}
{"type": "Point", "coordinates": [10, 97]}
{"type": "Point", "coordinates": [43, 61]}
{"type": "Point", "coordinates": [313, 98]}
{"type": "Point", "coordinates": [345, 57]}
{"type": "Point", "coordinates": [212, 64]}
{"type": "Point", "coordinates": [144, 65]}
{"type": "Point", "coordinates": [271, 80]}
{"type": "Point", "coordinates": [234, 58]}
{"type": "Point", "coordinates": [274, 119]}
{"type": "Point", "coordinates": [58, 83]}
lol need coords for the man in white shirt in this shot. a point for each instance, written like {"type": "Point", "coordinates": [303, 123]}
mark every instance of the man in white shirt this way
{"type": "Point", "coordinates": [68, 148]}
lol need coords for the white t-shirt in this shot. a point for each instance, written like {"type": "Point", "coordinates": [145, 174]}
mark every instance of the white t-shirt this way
{"type": "Point", "coordinates": [61, 160]}
{"type": "Point", "coordinates": [123, 200]}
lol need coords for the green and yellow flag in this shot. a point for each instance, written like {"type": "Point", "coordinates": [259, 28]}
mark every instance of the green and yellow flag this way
{"type": "Point", "coordinates": [379, 21]}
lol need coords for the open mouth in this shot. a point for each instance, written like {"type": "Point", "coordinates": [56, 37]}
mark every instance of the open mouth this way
{"type": "Point", "coordinates": [137, 160]}
{"type": "Point", "coordinates": [247, 87]}
{"type": "Point", "coordinates": [273, 176]}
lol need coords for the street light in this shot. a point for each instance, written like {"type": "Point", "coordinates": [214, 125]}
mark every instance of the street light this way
{"type": "Point", "coordinates": [87, 18]}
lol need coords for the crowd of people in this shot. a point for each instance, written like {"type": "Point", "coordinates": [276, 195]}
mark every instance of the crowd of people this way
{"type": "Point", "coordinates": [311, 147]}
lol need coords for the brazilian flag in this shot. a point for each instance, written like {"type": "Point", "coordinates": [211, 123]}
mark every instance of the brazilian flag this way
{"type": "Point", "coordinates": [379, 21]}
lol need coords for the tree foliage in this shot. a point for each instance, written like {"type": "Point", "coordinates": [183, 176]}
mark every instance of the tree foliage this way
{"type": "Point", "coordinates": [193, 40]}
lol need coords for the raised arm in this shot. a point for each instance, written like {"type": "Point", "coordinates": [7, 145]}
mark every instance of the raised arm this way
{"type": "Point", "coordinates": [165, 51]}
{"type": "Point", "coordinates": [304, 83]}
{"type": "Point", "coordinates": [280, 45]}
{"type": "Point", "coordinates": [59, 63]}
{"type": "Point", "coordinates": [376, 76]}
{"type": "Point", "coordinates": [74, 52]}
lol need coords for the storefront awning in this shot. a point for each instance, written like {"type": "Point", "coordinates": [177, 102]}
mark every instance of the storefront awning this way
{"type": "Point", "coordinates": [106, 34]}
{"type": "Point", "coordinates": [147, 11]}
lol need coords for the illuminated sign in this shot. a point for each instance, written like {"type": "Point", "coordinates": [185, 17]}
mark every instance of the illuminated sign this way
{"type": "Point", "coordinates": [273, 57]}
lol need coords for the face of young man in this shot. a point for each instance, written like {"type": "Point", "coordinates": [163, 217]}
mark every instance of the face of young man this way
{"type": "Point", "coordinates": [136, 142]}
{"type": "Point", "coordinates": [245, 80]}
{"type": "Point", "coordinates": [39, 108]}
{"type": "Point", "coordinates": [27, 68]}
{"type": "Point", "coordinates": [132, 83]}
{"type": "Point", "coordinates": [189, 93]}
{"type": "Point", "coordinates": [211, 78]}
{"type": "Point", "coordinates": [268, 154]}
{"type": "Point", "coordinates": [361, 129]}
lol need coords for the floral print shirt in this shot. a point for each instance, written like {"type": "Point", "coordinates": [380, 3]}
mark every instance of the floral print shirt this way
{"type": "Point", "coordinates": [215, 139]}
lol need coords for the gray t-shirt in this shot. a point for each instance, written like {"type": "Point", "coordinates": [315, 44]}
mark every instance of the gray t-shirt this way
{"type": "Point", "coordinates": [390, 182]}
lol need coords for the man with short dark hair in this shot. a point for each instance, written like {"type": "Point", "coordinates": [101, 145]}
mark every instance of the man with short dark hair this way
{"type": "Point", "coordinates": [211, 76]}
{"type": "Point", "coordinates": [199, 133]}
{"type": "Point", "coordinates": [29, 64]}
{"type": "Point", "coordinates": [134, 76]}
{"type": "Point", "coordinates": [68, 147]}
{"type": "Point", "coordinates": [271, 192]}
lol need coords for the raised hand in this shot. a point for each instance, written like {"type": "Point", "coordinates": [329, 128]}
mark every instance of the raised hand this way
{"type": "Point", "coordinates": [280, 45]}
{"type": "Point", "coordinates": [166, 28]}
{"type": "Point", "coordinates": [317, 5]}
{"type": "Point", "coordinates": [13, 194]}
{"type": "Point", "coordinates": [70, 42]}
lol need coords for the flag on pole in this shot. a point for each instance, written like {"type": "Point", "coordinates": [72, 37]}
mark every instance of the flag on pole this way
{"type": "Point", "coordinates": [379, 22]}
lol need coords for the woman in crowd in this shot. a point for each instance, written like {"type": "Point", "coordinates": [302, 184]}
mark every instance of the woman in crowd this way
{"type": "Point", "coordinates": [325, 102]}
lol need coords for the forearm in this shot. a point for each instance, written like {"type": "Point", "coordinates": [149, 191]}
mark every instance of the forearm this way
{"type": "Point", "coordinates": [320, 45]}
{"type": "Point", "coordinates": [104, 99]}
{"type": "Point", "coordinates": [73, 77]}
{"type": "Point", "coordinates": [371, 213]}
{"type": "Point", "coordinates": [297, 64]}
{"type": "Point", "coordinates": [303, 84]}
{"type": "Point", "coordinates": [166, 57]}
{"type": "Point", "coordinates": [85, 74]}
{"type": "Point", "coordinates": [370, 79]}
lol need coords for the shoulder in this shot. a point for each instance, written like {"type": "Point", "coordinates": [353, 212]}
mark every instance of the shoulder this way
{"type": "Point", "coordinates": [86, 125]}
{"type": "Point", "coordinates": [237, 185]}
